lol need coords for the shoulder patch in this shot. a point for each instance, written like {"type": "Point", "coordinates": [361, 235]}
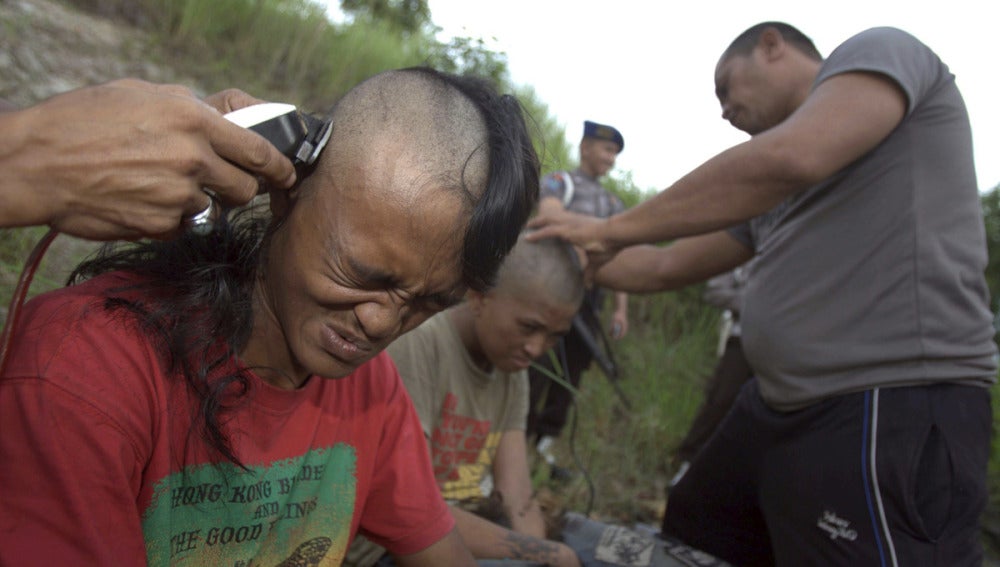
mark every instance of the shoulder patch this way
{"type": "Point", "coordinates": [554, 183]}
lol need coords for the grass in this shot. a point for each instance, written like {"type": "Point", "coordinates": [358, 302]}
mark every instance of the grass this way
{"type": "Point", "coordinates": [624, 444]}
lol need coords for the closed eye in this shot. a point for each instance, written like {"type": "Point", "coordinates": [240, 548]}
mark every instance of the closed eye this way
{"type": "Point", "coordinates": [528, 327]}
{"type": "Point", "coordinates": [722, 94]}
{"type": "Point", "coordinates": [371, 277]}
{"type": "Point", "coordinates": [438, 301]}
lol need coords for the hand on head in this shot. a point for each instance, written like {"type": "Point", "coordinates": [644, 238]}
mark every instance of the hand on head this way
{"type": "Point", "coordinates": [130, 159]}
{"type": "Point", "coordinates": [584, 231]}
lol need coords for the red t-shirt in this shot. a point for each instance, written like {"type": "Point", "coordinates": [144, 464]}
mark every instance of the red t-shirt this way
{"type": "Point", "coordinates": [100, 464]}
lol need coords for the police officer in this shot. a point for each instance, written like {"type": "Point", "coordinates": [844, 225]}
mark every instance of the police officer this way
{"type": "Point", "coordinates": [579, 191]}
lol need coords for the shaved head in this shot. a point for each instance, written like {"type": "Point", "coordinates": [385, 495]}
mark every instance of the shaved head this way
{"type": "Point", "coordinates": [546, 269]}
{"type": "Point", "coordinates": [745, 43]}
{"type": "Point", "coordinates": [395, 112]}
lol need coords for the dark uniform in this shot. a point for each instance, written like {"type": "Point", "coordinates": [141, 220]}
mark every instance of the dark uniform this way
{"type": "Point", "coordinates": [579, 193]}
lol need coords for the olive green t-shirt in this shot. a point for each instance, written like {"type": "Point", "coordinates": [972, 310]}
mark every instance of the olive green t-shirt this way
{"type": "Point", "coordinates": [463, 409]}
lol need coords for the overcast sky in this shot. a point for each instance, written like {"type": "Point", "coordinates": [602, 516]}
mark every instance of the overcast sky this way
{"type": "Point", "coordinates": [645, 66]}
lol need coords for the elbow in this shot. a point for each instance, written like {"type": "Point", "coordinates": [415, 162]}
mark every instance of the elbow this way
{"type": "Point", "coordinates": [668, 276]}
{"type": "Point", "coordinates": [793, 168]}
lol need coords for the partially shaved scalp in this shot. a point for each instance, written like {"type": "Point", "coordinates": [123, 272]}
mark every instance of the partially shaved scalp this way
{"type": "Point", "coordinates": [400, 110]}
{"type": "Point", "coordinates": [457, 134]}
{"type": "Point", "coordinates": [546, 269]}
{"type": "Point", "coordinates": [745, 43]}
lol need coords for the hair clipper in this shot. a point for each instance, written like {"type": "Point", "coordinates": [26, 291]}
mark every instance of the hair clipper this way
{"type": "Point", "coordinates": [299, 136]}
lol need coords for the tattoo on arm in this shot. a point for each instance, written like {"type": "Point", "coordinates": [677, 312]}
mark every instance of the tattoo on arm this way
{"type": "Point", "coordinates": [520, 546]}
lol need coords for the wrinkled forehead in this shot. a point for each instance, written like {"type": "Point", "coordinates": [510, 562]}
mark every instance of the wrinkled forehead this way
{"type": "Point", "coordinates": [403, 167]}
{"type": "Point", "coordinates": [382, 189]}
{"type": "Point", "coordinates": [391, 192]}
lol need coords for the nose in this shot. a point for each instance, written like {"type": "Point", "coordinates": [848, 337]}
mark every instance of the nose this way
{"type": "Point", "coordinates": [537, 345]}
{"type": "Point", "coordinates": [380, 317]}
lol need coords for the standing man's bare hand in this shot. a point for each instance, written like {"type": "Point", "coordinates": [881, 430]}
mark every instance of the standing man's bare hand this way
{"type": "Point", "coordinates": [584, 231]}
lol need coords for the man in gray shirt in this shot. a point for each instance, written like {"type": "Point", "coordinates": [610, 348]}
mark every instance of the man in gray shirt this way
{"type": "Point", "coordinates": [865, 438]}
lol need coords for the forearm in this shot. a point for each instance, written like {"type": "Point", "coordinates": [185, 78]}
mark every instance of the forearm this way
{"type": "Point", "coordinates": [732, 187]}
{"type": "Point", "coordinates": [827, 132]}
{"type": "Point", "coordinates": [487, 540]}
{"type": "Point", "coordinates": [526, 518]}
{"type": "Point", "coordinates": [648, 269]}
{"type": "Point", "coordinates": [637, 269]}
{"type": "Point", "coordinates": [22, 203]}
{"type": "Point", "coordinates": [513, 482]}
{"type": "Point", "coordinates": [621, 302]}
{"type": "Point", "coordinates": [450, 550]}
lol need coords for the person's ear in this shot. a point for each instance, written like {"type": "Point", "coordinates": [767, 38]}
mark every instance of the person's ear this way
{"type": "Point", "coordinates": [281, 201]}
{"type": "Point", "coordinates": [477, 300]}
{"type": "Point", "coordinates": [771, 44]}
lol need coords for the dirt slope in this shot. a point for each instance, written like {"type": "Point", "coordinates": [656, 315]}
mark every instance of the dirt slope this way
{"type": "Point", "coordinates": [47, 47]}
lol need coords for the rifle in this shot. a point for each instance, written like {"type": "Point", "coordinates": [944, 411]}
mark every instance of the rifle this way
{"type": "Point", "coordinates": [604, 357]}
{"type": "Point", "coordinates": [586, 319]}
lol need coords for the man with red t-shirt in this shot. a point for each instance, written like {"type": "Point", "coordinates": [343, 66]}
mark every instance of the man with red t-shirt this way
{"type": "Point", "coordinates": [223, 399]}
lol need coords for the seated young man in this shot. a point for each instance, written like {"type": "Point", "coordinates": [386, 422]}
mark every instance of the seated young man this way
{"type": "Point", "coordinates": [223, 398]}
{"type": "Point", "coordinates": [466, 370]}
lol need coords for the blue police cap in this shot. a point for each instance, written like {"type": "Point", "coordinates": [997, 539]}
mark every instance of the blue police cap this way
{"type": "Point", "coordinates": [603, 132]}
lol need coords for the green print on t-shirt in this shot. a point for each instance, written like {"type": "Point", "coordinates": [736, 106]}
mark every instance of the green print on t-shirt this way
{"type": "Point", "coordinates": [296, 511]}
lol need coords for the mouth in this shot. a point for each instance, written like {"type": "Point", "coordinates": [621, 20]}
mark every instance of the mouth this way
{"type": "Point", "coordinates": [520, 362]}
{"type": "Point", "coordinates": [344, 347]}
